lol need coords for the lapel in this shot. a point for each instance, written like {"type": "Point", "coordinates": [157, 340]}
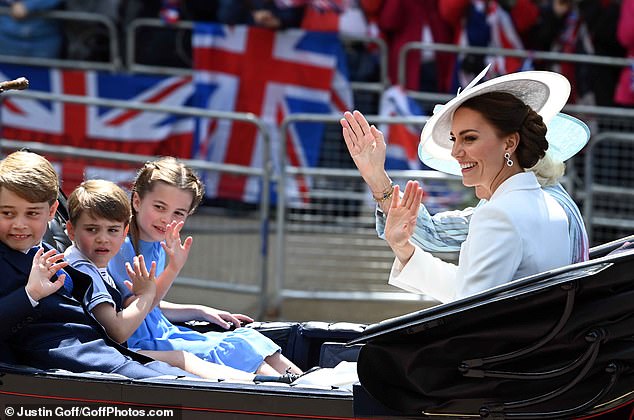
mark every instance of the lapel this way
{"type": "Point", "coordinates": [521, 181]}
{"type": "Point", "coordinates": [20, 261]}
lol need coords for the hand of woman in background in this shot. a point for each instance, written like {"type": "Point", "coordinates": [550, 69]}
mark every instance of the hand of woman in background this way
{"type": "Point", "coordinates": [19, 10]}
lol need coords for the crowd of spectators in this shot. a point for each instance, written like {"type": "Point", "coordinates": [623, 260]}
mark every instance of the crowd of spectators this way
{"type": "Point", "coordinates": [599, 27]}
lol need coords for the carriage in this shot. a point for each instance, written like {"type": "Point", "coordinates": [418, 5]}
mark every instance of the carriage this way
{"type": "Point", "coordinates": [557, 345]}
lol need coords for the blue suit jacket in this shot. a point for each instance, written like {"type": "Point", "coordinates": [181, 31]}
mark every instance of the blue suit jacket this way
{"type": "Point", "coordinates": [58, 333]}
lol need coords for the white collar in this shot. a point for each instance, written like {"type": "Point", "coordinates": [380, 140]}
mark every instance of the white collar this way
{"type": "Point", "coordinates": [521, 181]}
{"type": "Point", "coordinates": [26, 251]}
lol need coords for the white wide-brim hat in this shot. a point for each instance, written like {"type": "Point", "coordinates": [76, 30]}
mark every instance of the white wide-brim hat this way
{"type": "Point", "coordinates": [545, 92]}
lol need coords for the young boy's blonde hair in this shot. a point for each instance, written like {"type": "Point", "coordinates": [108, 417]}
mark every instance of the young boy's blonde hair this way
{"type": "Point", "coordinates": [30, 176]}
{"type": "Point", "coordinates": [101, 199]}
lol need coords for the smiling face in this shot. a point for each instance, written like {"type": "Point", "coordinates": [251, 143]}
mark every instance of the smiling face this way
{"type": "Point", "coordinates": [97, 238]}
{"type": "Point", "coordinates": [160, 206]}
{"type": "Point", "coordinates": [479, 150]}
{"type": "Point", "coordinates": [22, 223]}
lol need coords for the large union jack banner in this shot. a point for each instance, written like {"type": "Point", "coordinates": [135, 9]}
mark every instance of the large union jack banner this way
{"type": "Point", "coordinates": [271, 74]}
{"type": "Point", "coordinates": [93, 127]}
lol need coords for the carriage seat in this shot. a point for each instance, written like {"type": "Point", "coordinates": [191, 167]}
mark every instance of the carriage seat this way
{"type": "Point", "coordinates": [307, 344]}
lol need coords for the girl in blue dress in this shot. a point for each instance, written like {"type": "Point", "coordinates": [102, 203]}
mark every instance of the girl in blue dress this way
{"type": "Point", "coordinates": [164, 194]}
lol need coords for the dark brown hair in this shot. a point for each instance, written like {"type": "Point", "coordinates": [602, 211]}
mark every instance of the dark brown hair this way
{"type": "Point", "coordinates": [508, 114]}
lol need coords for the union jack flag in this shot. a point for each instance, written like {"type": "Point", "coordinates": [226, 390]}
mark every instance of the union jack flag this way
{"type": "Point", "coordinates": [402, 139]}
{"type": "Point", "coordinates": [94, 127]}
{"type": "Point", "coordinates": [271, 74]}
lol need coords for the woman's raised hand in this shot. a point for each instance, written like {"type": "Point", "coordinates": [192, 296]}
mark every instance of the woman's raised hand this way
{"type": "Point", "coordinates": [401, 220]}
{"type": "Point", "coordinates": [366, 146]}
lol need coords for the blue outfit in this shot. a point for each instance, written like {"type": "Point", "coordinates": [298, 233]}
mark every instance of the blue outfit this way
{"type": "Point", "coordinates": [446, 231]}
{"type": "Point", "coordinates": [32, 36]}
{"type": "Point", "coordinates": [57, 333]}
{"type": "Point", "coordinates": [242, 348]}
{"type": "Point", "coordinates": [103, 290]}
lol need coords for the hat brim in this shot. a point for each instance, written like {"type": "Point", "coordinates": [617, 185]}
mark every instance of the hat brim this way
{"type": "Point", "coordinates": [545, 92]}
{"type": "Point", "coordinates": [566, 136]}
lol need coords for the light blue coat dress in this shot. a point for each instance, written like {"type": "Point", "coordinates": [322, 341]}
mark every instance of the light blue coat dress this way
{"type": "Point", "coordinates": [242, 348]}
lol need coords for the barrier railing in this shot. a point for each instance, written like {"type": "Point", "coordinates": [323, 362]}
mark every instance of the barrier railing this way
{"type": "Point", "coordinates": [504, 52]}
{"type": "Point", "coordinates": [369, 258]}
{"type": "Point", "coordinates": [594, 188]}
{"type": "Point", "coordinates": [64, 15]}
{"type": "Point", "coordinates": [264, 173]}
{"type": "Point", "coordinates": [131, 36]}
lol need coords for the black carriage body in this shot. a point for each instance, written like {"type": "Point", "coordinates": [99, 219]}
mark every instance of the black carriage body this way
{"type": "Point", "coordinates": [555, 345]}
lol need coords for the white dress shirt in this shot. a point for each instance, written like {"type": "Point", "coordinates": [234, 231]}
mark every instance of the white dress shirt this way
{"type": "Point", "coordinates": [520, 231]}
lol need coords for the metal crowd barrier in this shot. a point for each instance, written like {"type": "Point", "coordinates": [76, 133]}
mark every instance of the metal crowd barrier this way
{"type": "Point", "coordinates": [64, 15]}
{"type": "Point", "coordinates": [504, 52]}
{"type": "Point", "coordinates": [608, 149]}
{"type": "Point", "coordinates": [264, 173]}
{"type": "Point", "coordinates": [329, 250]}
{"type": "Point", "coordinates": [131, 37]}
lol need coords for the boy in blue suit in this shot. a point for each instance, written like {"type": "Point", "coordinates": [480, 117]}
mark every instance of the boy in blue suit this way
{"type": "Point", "coordinates": [43, 322]}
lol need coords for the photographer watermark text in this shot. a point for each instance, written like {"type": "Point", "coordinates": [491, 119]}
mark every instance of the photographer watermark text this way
{"type": "Point", "coordinates": [88, 411]}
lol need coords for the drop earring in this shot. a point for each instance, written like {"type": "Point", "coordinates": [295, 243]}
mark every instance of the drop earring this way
{"type": "Point", "coordinates": [509, 161]}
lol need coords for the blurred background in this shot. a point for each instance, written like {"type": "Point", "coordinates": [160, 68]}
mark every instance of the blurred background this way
{"type": "Point", "coordinates": [250, 93]}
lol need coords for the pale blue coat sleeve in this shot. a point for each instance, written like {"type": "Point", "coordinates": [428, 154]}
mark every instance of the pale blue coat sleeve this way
{"type": "Point", "coordinates": [442, 232]}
